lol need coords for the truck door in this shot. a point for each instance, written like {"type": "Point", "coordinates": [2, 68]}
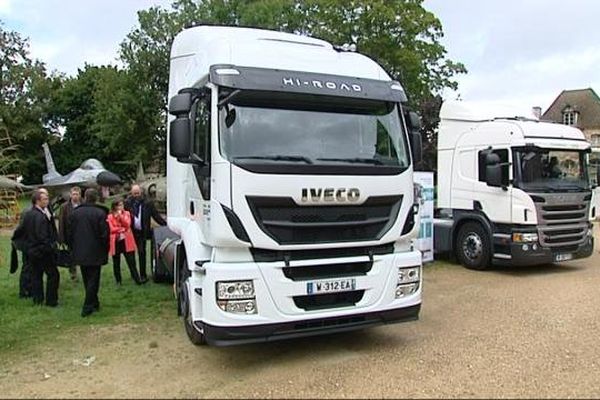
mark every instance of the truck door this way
{"type": "Point", "coordinates": [494, 202]}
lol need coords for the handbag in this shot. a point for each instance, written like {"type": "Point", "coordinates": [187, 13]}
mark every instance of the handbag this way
{"type": "Point", "coordinates": [63, 257]}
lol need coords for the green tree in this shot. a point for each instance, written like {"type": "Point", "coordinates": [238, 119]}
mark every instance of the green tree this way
{"type": "Point", "coordinates": [103, 117]}
{"type": "Point", "coordinates": [400, 34]}
{"type": "Point", "coordinates": [25, 100]}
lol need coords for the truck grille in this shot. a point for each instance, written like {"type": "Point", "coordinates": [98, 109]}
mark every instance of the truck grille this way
{"type": "Point", "coordinates": [288, 223]}
{"type": "Point", "coordinates": [563, 219]}
{"type": "Point", "coordinates": [327, 271]}
{"type": "Point", "coordinates": [332, 300]}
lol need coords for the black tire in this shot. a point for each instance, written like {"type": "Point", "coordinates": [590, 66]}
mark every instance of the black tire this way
{"type": "Point", "coordinates": [195, 336]}
{"type": "Point", "coordinates": [157, 275]}
{"type": "Point", "coordinates": [473, 248]}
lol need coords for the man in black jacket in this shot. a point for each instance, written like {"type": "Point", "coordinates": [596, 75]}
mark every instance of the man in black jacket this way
{"type": "Point", "coordinates": [41, 237]}
{"type": "Point", "coordinates": [63, 222]}
{"type": "Point", "coordinates": [88, 241]}
{"type": "Point", "coordinates": [19, 242]}
{"type": "Point", "coordinates": [142, 210]}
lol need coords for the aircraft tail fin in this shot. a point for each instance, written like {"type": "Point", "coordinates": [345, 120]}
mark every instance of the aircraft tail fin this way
{"type": "Point", "coordinates": [141, 175]}
{"type": "Point", "coordinates": [52, 173]}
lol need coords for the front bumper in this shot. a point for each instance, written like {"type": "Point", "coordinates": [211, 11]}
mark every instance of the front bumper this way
{"type": "Point", "coordinates": [233, 335]}
{"type": "Point", "coordinates": [543, 255]}
{"type": "Point", "coordinates": [282, 309]}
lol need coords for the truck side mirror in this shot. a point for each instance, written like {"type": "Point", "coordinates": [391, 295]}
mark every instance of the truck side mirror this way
{"type": "Point", "coordinates": [180, 135]}
{"type": "Point", "coordinates": [414, 136]}
{"type": "Point", "coordinates": [415, 121]}
{"type": "Point", "coordinates": [180, 144]}
{"type": "Point", "coordinates": [493, 170]}
{"type": "Point", "coordinates": [180, 104]}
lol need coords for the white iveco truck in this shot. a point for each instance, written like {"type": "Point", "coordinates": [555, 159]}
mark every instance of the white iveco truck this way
{"type": "Point", "coordinates": [511, 189]}
{"type": "Point", "coordinates": [290, 188]}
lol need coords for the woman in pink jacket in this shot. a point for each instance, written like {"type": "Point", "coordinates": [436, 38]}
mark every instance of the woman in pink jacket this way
{"type": "Point", "coordinates": [122, 241]}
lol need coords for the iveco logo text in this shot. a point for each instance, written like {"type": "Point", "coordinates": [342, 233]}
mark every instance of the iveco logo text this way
{"type": "Point", "coordinates": [330, 194]}
{"type": "Point", "coordinates": [349, 87]}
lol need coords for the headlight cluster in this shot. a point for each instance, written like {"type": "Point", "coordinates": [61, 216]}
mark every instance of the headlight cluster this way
{"type": "Point", "coordinates": [518, 237]}
{"type": "Point", "coordinates": [236, 297]}
{"type": "Point", "coordinates": [408, 281]}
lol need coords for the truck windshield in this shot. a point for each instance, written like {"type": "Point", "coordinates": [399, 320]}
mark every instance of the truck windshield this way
{"type": "Point", "coordinates": [312, 132]}
{"type": "Point", "coordinates": [549, 170]}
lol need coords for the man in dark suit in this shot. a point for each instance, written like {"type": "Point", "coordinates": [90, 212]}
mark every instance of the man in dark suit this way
{"type": "Point", "coordinates": [88, 240]}
{"type": "Point", "coordinates": [41, 245]}
{"type": "Point", "coordinates": [63, 222]}
{"type": "Point", "coordinates": [142, 211]}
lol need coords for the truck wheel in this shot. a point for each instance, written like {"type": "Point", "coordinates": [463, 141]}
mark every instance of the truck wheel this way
{"type": "Point", "coordinates": [195, 336]}
{"type": "Point", "coordinates": [157, 276]}
{"type": "Point", "coordinates": [473, 246]}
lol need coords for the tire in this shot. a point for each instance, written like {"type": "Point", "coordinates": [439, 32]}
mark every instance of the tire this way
{"type": "Point", "coordinates": [157, 275]}
{"type": "Point", "coordinates": [195, 336]}
{"type": "Point", "coordinates": [473, 249]}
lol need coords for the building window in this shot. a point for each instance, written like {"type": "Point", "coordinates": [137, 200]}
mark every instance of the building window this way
{"type": "Point", "coordinates": [595, 140]}
{"type": "Point", "coordinates": [570, 116]}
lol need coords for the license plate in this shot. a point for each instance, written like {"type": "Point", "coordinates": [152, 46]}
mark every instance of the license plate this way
{"type": "Point", "coordinates": [563, 257]}
{"type": "Point", "coordinates": [331, 286]}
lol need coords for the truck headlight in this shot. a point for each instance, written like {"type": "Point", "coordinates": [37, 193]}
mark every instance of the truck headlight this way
{"type": "Point", "coordinates": [236, 290]}
{"type": "Point", "coordinates": [524, 237]}
{"type": "Point", "coordinates": [236, 297]}
{"type": "Point", "coordinates": [408, 281]}
{"type": "Point", "coordinates": [408, 275]}
{"type": "Point", "coordinates": [406, 290]}
{"type": "Point", "coordinates": [238, 306]}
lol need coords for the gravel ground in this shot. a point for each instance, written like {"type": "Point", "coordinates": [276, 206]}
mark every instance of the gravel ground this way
{"type": "Point", "coordinates": [520, 332]}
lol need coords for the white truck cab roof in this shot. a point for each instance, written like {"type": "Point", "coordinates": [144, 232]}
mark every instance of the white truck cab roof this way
{"type": "Point", "coordinates": [258, 48]}
{"type": "Point", "coordinates": [489, 124]}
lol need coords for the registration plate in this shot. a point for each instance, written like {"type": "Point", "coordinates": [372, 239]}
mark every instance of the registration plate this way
{"type": "Point", "coordinates": [563, 257]}
{"type": "Point", "coordinates": [331, 286]}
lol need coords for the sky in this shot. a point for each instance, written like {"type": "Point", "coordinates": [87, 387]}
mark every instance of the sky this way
{"type": "Point", "coordinates": [517, 52]}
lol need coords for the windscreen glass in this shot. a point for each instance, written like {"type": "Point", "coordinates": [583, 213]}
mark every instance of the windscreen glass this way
{"type": "Point", "coordinates": [552, 170]}
{"type": "Point", "coordinates": [304, 130]}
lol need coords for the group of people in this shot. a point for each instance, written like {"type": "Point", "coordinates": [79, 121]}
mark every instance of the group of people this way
{"type": "Point", "coordinates": [88, 233]}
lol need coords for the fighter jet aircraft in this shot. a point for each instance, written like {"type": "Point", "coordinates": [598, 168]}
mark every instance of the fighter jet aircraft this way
{"type": "Point", "coordinates": [91, 174]}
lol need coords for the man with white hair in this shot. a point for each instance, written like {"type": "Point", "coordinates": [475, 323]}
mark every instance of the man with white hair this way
{"type": "Point", "coordinates": [142, 210]}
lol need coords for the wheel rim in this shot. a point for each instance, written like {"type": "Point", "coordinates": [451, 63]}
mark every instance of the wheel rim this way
{"type": "Point", "coordinates": [472, 246]}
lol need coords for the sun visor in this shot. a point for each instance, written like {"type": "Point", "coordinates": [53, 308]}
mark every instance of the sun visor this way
{"type": "Point", "coordinates": [276, 80]}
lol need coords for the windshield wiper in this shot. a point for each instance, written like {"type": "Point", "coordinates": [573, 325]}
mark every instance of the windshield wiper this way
{"type": "Point", "coordinates": [277, 158]}
{"type": "Point", "coordinates": [354, 160]}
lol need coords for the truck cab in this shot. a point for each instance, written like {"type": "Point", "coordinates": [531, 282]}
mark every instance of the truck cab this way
{"type": "Point", "coordinates": [290, 188]}
{"type": "Point", "coordinates": [512, 189]}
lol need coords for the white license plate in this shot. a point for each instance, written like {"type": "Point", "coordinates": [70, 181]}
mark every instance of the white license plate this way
{"type": "Point", "coordinates": [563, 257]}
{"type": "Point", "coordinates": [331, 286]}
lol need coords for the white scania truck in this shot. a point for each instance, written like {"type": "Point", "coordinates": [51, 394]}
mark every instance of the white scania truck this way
{"type": "Point", "coordinates": [511, 189]}
{"type": "Point", "coordinates": [290, 188]}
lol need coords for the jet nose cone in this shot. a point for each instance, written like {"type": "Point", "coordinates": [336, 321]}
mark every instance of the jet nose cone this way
{"type": "Point", "coordinates": [107, 178]}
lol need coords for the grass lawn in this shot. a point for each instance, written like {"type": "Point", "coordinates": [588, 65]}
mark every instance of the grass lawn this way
{"type": "Point", "coordinates": [23, 325]}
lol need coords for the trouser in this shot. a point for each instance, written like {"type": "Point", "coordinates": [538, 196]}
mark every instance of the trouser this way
{"type": "Point", "coordinates": [129, 258]}
{"type": "Point", "coordinates": [25, 278]}
{"type": "Point", "coordinates": [140, 242]}
{"type": "Point", "coordinates": [39, 267]}
{"type": "Point", "coordinates": [91, 281]}
{"type": "Point", "coordinates": [73, 272]}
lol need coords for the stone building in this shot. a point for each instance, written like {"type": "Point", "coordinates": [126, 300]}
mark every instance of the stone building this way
{"type": "Point", "coordinates": [581, 109]}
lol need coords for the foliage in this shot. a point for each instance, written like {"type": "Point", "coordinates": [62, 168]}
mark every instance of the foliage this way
{"type": "Point", "coordinates": [25, 99]}
{"type": "Point", "coordinates": [104, 118]}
